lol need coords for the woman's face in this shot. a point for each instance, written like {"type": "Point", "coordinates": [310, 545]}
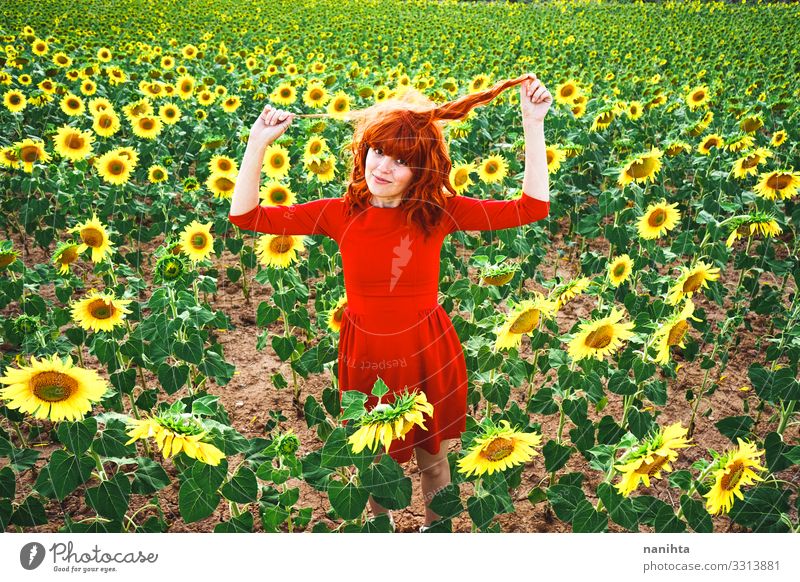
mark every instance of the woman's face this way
{"type": "Point", "coordinates": [396, 173]}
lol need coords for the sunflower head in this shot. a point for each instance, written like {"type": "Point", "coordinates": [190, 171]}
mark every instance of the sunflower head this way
{"type": "Point", "coordinates": [498, 447]}
{"type": "Point", "coordinates": [8, 255]}
{"type": "Point", "coordinates": [387, 422]}
{"type": "Point", "coordinates": [729, 473]}
{"type": "Point", "coordinates": [170, 268]}
{"type": "Point", "coordinates": [598, 338]}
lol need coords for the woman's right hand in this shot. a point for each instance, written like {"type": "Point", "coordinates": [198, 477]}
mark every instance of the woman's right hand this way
{"type": "Point", "coordinates": [270, 125]}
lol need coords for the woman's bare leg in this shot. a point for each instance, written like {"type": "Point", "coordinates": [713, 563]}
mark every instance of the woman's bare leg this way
{"type": "Point", "coordinates": [434, 475]}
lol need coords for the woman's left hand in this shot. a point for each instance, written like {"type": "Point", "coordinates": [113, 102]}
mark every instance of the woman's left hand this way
{"type": "Point", "coordinates": [535, 99]}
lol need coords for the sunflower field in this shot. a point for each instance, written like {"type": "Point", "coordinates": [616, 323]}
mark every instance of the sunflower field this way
{"type": "Point", "coordinates": [633, 357]}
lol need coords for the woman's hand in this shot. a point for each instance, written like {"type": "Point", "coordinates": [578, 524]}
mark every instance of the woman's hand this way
{"type": "Point", "coordinates": [270, 125]}
{"type": "Point", "coordinates": [535, 99]}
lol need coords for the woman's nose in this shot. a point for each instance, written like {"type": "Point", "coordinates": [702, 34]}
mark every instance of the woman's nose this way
{"type": "Point", "coordinates": [386, 164]}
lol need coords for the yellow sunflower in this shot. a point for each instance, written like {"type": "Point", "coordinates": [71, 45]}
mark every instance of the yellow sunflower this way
{"type": "Point", "coordinates": [14, 100]}
{"type": "Point", "coordinates": [323, 171]}
{"type": "Point", "coordinates": [221, 185]}
{"type": "Point", "coordinates": [93, 236]}
{"type": "Point", "coordinates": [731, 471]}
{"type": "Point", "coordinates": [756, 222]}
{"type": "Point", "coordinates": [673, 332]}
{"type": "Point", "coordinates": [65, 254]}
{"type": "Point", "coordinates": [273, 193]}
{"type": "Point", "coordinates": [336, 314]}
{"type": "Point", "coordinates": [634, 110]}
{"type": "Point", "coordinates": [649, 457]}
{"type": "Point", "coordinates": [596, 339]}
{"type": "Point", "coordinates": [555, 156]}
{"type": "Point", "coordinates": [740, 143]}
{"type": "Point", "coordinates": [106, 123]}
{"type": "Point", "coordinates": [279, 250]}
{"type": "Point", "coordinates": [676, 147]}
{"type": "Point", "coordinates": [751, 124]}
{"type": "Point", "coordinates": [748, 164]}
{"type": "Point", "coordinates": [72, 105]}
{"type": "Point", "coordinates": [147, 127]}
{"type": "Point", "coordinates": [276, 161]}
{"type": "Point", "coordinates": [30, 152]}
{"type": "Point", "coordinates": [169, 113]}
{"type": "Point", "coordinates": [52, 389]}
{"type": "Point", "coordinates": [603, 119]}
{"type": "Point", "coordinates": [9, 157]}
{"type": "Point", "coordinates": [641, 168]}
{"type": "Point", "coordinates": [338, 105]}
{"type": "Point", "coordinates": [778, 138]}
{"type": "Point", "coordinates": [479, 83]}
{"type": "Point", "coordinates": [497, 448]}
{"type": "Point", "coordinates": [231, 103]}
{"type": "Point", "coordinates": [284, 94]}
{"type": "Point", "coordinates": [780, 183]}
{"type": "Point", "coordinates": [72, 143]}
{"type": "Point", "coordinates": [315, 149]}
{"type": "Point", "coordinates": [197, 241]}
{"type": "Point", "coordinates": [459, 176]}
{"type": "Point", "coordinates": [620, 269]}
{"type": "Point", "coordinates": [493, 169]}
{"type": "Point", "coordinates": [567, 291]}
{"type": "Point", "coordinates": [100, 311]}
{"type": "Point", "coordinates": [692, 280]}
{"type": "Point", "coordinates": [658, 218]}
{"type": "Point", "coordinates": [176, 433]}
{"type": "Point", "coordinates": [224, 165]}
{"type": "Point", "coordinates": [567, 92]}
{"type": "Point", "coordinates": [315, 95]}
{"type": "Point", "coordinates": [698, 96]}
{"type": "Point", "coordinates": [388, 422]}
{"type": "Point", "coordinates": [114, 167]}
{"type": "Point", "coordinates": [157, 174]}
{"type": "Point", "coordinates": [712, 140]}
{"type": "Point", "coordinates": [523, 320]}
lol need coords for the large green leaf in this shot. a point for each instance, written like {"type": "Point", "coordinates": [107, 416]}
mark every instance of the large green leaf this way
{"type": "Point", "coordinates": [482, 509]}
{"type": "Point", "coordinates": [620, 508]}
{"type": "Point", "coordinates": [348, 499]}
{"type": "Point", "coordinates": [149, 477]}
{"type": "Point", "coordinates": [586, 519]}
{"type": "Point", "coordinates": [68, 471]}
{"type": "Point", "coordinates": [242, 488]}
{"type": "Point", "coordinates": [77, 436]}
{"type": "Point", "coordinates": [110, 498]}
{"type": "Point", "coordinates": [195, 502]}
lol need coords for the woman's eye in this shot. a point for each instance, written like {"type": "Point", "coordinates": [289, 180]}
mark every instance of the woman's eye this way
{"type": "Point", "coordinates": [401, 162]}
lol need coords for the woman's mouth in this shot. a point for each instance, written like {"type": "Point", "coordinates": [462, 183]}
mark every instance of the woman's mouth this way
{"type": "Point", "coordinates": [379, 180]}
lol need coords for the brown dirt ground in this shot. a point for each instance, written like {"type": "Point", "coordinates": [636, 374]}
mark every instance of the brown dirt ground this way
{"type": "Point", "coordinates": [249, 397]}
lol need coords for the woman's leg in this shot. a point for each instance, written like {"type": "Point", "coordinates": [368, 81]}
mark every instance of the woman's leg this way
{"type": "Point", "coordinates": [434, 475]}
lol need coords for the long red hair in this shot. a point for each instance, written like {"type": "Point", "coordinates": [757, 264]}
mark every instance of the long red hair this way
{"type": "Point", "coordinates": [410, 127]}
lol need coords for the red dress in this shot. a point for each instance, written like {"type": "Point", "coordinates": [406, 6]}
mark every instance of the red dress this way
{"type": "Point", "coordinates": [393, 325]}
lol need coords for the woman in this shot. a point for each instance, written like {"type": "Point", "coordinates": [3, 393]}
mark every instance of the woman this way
{"type": "Point", "coordinates": [390, 226]}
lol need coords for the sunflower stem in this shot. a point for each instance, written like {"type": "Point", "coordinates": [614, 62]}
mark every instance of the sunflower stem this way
{"type": "Point", "coordinates": [786, 414]}
{"type": "Point", "coordinates": [19, 434]}
{"type": "Point", "coordinates": [693, 487]}
{"type": "Point", "coordinates": [101, 470]}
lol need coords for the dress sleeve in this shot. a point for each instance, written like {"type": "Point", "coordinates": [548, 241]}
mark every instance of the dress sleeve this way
{"type": "Point", "coordinates": [475, 214]}
{"type": "Point", "coordinates": [314, 217]}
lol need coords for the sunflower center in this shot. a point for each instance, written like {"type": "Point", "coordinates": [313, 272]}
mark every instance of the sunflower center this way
{"type": "Point", "coordinates": [104, 122]}
{"type": "Point", "coordinates": [779, 181]}
{"type": "Point", "coordinates": [279, 196]}
{"type": "Point", "coordinates": [92, 237]}
{"type": "Point", "coordinates": [677, 332]}
{"type": "Point", "coordinates": [461, 177]}
{"type": "Point", "coordinates": [116, 167]}
{"type": "Point", "coordinates": [53, 386]}
{"type": "Point", "coordinates": [693, 282]}
{"type": "Point", "coordinates": [15, 99]}
{"type": "Point", "coordinates": [653, 467]}
{"type": "Point", "coordinates": [525, 322]}
{"type": "Point", "coordinates": [657, 217]}
{"type": "Point", "coordinates": [567, 91]}
{"type": "Point", "coordinates": [619, 270]}
{"type": "Point", "coordinates": [751, 161]}
{"type": "Point", "coordinates": [29, 154]}
{"type": "Point", "coordinates": [339, 106]}
{"type": "Point", "coordinates": [276, 161]}
{"type": "Point", "coordinates": [600, 337]}
{"type": "Point", "coordinates": [100, 309]}
{"type": "Point", "coordinates": [316, 94]}
{"type": "Point", "coordinates": [73, 104]}
{"type": "Point", "coordinates": [198, 240]}
{"type": "Point", "coordinates": [642, 168]}
{"type": "Point", "coordinates": [315, 147]}
{"type": "Point", "coordinates": [224, 184]}
{"type": "Point", "coordinates": [498, 449]}
{"type": "Point", "coordinates": [731, 479]}
{"type": "Point", "coordinates": [74, 142]}
{"type": "Point", "coordinates": [338, 314]}
{"type": "Point", "coordinates": [69, 256]}
{"type": "Point", "coordinates": [491, 168]}
{"type": "Point", "coordinates": [281, 244]}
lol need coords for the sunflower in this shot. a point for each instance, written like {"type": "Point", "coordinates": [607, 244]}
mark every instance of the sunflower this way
{"type": "Point", "coordinates": [274, 193]}
{"type": "Point", "coordinates": [72, 143]}
{"type": "Point", "coordinates": [93, 236]}
{"type": "Point", "coordinates": [336, 314]}
{"type": "Point", "coordinates": [185, 86]}
{"type": "Point", "coordinates": [338, 105]}
{"type": "Point", "coordinates": [603, 119]}
{"type": "Point", "coordinates": [713, 140]}
{"type": "Point", "coordinates": [596, 339]}
{"type": "Point", "coordinates": [221, 185]}
{"type": "Point", "coordinates": [224, 165]}
{"type": "Point", "coordinates": [324, 170]}
{"type": "Point", "coordinates": [634, 110]}
{"type": "Point", "coordinates": [9, 157]}
{"type": "Point", "coordinates": [114, 167]}
{"type": "Point", "coordinates": [673, 332]}
{"type": "Point", "coordinates": [748, 164]}
{"type": "Point", "coordinates": [691, 280]}
{"type": "Point", "coordinates": [620, 269]}
{"type": "Point", "coordinates": [284, 94]}
{"type": "Point", "coordinates": [459, 176]}
{"type": "Point", "coordinates": [649, 457]}
{"type": "Point", "coordinates": [497, 448]}
{"type": "Point", "coordinates": [387, 422]}
{"type": "Point", "coordinates": [65, 254]}
{"type": "Point", "coordinates": [315, 149]}
{"type": "Point", "coordinates": [8, 255]}
{"type": "Point", "coordinates": [147, 127]}
{"type": "Point", "coordinates": [740, 142]}
{"type": "Point", "coordinates": [566, 292]}
{"type": "Point", "coordinates": [174, 433]}
{"type": "Point", "coordinates": [493, 169]}
{"type": "Point", "coordinates": [478, 83]}
{"type": "Point", "coordinates": [30, 152]}
{"type": "Point", "coordinates": [751, 124]}
{"type": "Point", "coordinates": [566, 92]}
{"type": "Point", "coordinates": [157, 173]}
{"type": "Point", "coordinates": [169, 113]}
{"type": "Point", "coordinates": [196, 241]}
{"type": "Point", "coordinates": [699, 127]}
{"type": "Point", "coordinates": [554, 158]}
{"type": "Point", "coordinates": [498, 275]}
{"type": "Point", "coordinates": [756, 222]}
{"type": "Point", "coordinates": [276, 161]}
{"type": "Point", "coordinates": [231, 103]}
{"type": "Point", "coordinates": [658, 219]}
{"type": "Point", "coordinates": [278, 250]}
{"type": "Point", "coordinates": [676, 147]}
{"type": "Point", "coordinates": [731, 471]}
{"type": "Point", "coordinates": [39, 47]}
{"type": "Point", "coordinates": [641, 168]}
{"type": "Point", "coordinates": [523, 320]}
{"type": "Point", "coordinates": [778, 138]}
{"type": "Point", "coordinates": [781, 183]}
{"type": "Point", "coordinates": [52, 389]}
{"type": "Point", "coordinates": [100, 311]}
{"type": "Point", "coordinates": [697, 97]}
{"type": "Point", "coordinates": [14, 101]}
{"type": "Point", "coordinates": [72, 105]}
{"type": "Point", "coordinates": [315, 96]}
{"type": "Point", "coordinates": [106, 123]}
{"type": "Point", "coordinates": [170, 267]}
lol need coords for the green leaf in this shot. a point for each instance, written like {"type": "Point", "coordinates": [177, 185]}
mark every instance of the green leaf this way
{"type": "Point", "coordinates": [555, 455]}
{"type": "Point", "coordinates": [111, 442]}
{"type": "Point", "coordinates": [761, 509]}
{"type": "Point", "coordinates": [189, 351]}
{"type": "Point", "coordinates": [348, 500]}
{"type": "Point", "coordinates": [482, 510]}
{"type": "Point", "coordinates": [68, 471]}
{"type": "Point", "coordinates": [209, 477]}
{"type": "Point", "coordinates": [172, 378]}
{"type": "Point", "coordinates": [8, 483]}
{"type": "Point", "coordinates": [620, 508]}
{"type": "Point", "coordinates": [110, 498]}
{"type": "Point", "coordinates": [667, 522]}
{"type": "Point", "coordinates": [313, 412]}
{"type": "Point", "coordinates": [6, 511]}
{"type": "Point", "coordinates": [735, 427]}
{"type": "Point", "coordinates": [353, 403]}
{"type": "Point", "coordinates": [77, 436]}
{"type": "Point", "coordinates": [272, 516]}
{"type": "Point", "coordinates": [386, 480]}
{"type": "Point", "coordinates": [587, 520]}
{"type": "Point", "coordinates": [336, 450]}
{"type": "Point", "coordinates": [240, 524]}
{"type": "Point", "coordinates": [284, 346]}
{"type": "Point", "coordinates": [447, 502]}
{"type": "Point", "coordinates": [30, 512]}
{"type": "Point", "coordinates": [242, 488]}
{"type": "Point", "coordinates": [380, 389]}
{"type": "Point", "coordinates": [776, 451]}
{"type": "Point", "coordinates": [564, 499]}
{"type": "Point", "coordinates": [696, 515]}
{"type": "Point", "coordinates": [195, 502]}
{"type": "Point", "coordinates": [149, 477]}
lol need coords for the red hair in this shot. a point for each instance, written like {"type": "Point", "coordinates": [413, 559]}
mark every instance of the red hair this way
{"type": "Point", "coordinates": [410, 127]}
